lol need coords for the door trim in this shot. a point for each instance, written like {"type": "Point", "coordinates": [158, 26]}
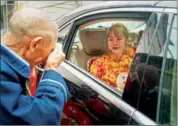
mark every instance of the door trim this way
{"type": "Point", "coordinates": [130, 9]}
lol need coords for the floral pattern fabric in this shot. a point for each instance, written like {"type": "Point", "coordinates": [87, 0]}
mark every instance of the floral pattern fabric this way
{"type": "Point", "coordinates": [107, 69]}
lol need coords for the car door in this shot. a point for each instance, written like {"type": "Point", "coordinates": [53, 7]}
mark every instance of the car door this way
{"type": "Point", "coordinates": [71, 46]}
{"type": "Point", "coordinates": [90, 103]}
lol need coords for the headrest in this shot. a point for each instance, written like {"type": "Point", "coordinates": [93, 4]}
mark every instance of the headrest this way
{"type": "Point", "coordinates": [94, 41]}
{"type": "Point", "coordinates": [133, 39]}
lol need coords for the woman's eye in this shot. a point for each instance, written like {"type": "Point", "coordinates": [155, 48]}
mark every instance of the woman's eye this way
{"type": "Point", "coordinates": [110, 39]}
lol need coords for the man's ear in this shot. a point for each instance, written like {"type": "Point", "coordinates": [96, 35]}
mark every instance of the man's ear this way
{"type": "Point", "coordinates": [34, 42]}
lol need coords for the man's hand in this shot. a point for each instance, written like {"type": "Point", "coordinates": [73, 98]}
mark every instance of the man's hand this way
{"type": "Point", "coordinates": [55, 59]}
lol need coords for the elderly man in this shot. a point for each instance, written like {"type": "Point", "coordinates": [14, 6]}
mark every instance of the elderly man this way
{"type": "Point", "coordinates": [29, 41]}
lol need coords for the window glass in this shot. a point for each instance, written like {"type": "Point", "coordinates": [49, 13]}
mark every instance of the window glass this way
{"type": "Point", "coordinates": [172, 49]}
{"type": "Point", "coordinates": [167, 107]}
{"type": "Point", "coordinates": [91, 51]}
{"type": "Point", "coordinates": [148, 34]}
{"type": "Point", "coordinates": [145, 82]}
{"type": "Point", "coordinates": [133, 84]}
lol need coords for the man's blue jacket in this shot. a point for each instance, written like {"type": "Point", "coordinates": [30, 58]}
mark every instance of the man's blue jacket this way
{"type": "Point", "coordinates": [45, 108]}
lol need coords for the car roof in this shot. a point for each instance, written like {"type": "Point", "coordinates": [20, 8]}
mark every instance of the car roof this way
{"type": "Point", "coordinates": [114, 4]}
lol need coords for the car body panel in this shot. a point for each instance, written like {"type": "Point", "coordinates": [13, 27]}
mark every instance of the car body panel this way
{"type": "Point", "coordinates": [72, 74]}
{"type": "Point", "coordinates": [117, 4]}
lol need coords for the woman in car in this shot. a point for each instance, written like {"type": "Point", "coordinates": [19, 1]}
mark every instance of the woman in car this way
{"type": "Point", "coordinates": [115, 65]}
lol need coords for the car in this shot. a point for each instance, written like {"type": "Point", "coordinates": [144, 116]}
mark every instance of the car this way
{"type": "Point", "coordinates": [153, 32]}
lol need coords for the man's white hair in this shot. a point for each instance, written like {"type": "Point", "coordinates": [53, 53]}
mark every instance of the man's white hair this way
{"type": "Point", "coordinates": [31, 22]}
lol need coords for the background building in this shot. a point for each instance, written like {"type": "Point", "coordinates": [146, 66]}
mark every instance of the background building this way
{"type": "Point", "coordinates": [54, 8]}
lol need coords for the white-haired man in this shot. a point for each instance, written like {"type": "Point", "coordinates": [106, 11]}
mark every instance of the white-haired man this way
{"type": "Point", "coordinates": [29, 41]}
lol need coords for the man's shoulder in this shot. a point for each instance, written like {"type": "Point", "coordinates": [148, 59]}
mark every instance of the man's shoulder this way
{"type": "Point", "coordinates": [5, 66]}
{"type": "Point", "coordinates": [13, 62]}
{"type": "Point", "coordinates": [6, 69]}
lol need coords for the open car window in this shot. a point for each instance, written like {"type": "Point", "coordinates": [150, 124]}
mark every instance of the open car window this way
{"type": "Point", "coordinates": [90, 41]}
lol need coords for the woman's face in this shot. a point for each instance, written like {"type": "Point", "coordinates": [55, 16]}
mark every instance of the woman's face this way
{"type": "Point", "coordinates": [116, 43]}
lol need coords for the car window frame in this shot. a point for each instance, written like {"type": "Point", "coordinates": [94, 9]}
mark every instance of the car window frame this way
{"type": "Point", "coordinates": [68, 41]}
{"type": "Point", "coordinates": [110, 10]}
{"type": "Point", "coordinates": [86, 19]}
{"type": "Point", "coordinates": [77, 23]}
{"type": "Point", "coordinates": [105, 10]}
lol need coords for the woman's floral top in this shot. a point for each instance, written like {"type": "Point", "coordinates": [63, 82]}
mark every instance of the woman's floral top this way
{"type": "Point", "coordinates": [108, 69]}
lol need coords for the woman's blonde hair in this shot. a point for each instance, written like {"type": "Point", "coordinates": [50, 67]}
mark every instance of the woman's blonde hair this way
{"type": "Point", "coordinates": [119, 28]}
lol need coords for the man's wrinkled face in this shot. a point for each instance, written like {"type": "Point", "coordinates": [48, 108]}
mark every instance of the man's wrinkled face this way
{"type": "Point", "coordinates": [38, 51]}
{"type": "Point", "coordinates": [116, 43]}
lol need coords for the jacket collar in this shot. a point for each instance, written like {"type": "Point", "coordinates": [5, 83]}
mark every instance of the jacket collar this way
{"type": "Point", "coordinates": [15, 61]}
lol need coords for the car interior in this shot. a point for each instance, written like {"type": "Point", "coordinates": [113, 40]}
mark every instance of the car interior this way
{"type": "Point", "coordinates": [93, 43]}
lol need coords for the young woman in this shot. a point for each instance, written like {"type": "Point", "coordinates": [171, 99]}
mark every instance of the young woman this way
{"type": "Point", "coordinates": [113, 67]}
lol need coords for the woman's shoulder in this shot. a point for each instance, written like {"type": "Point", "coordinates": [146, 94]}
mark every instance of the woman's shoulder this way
{"type": "Point", "coordinates": [130, 52]}
{"type": "Point", "coordinates": [99, 60]}
{"type": "Point", "coordinates": [96, 61]}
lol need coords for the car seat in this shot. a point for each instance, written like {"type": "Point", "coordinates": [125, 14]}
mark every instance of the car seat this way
{"type": "Point", "coordinates": [93, 42]}
{"type": "Point", "coordinates": [133, 39]}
